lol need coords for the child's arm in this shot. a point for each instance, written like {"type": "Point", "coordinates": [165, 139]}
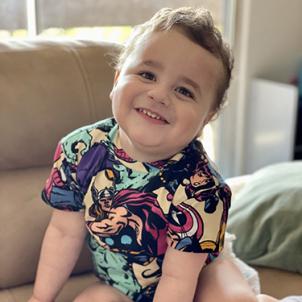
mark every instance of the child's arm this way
{"type": "Point", "coordinates": [179, 276]}
{"type": "Point", "coordinates": [61, 247]}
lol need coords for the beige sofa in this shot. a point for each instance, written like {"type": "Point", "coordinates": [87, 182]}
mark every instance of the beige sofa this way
{"type": "Point", "coordinates": [49, 88]}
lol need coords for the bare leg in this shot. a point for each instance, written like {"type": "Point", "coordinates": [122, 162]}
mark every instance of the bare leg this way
{"type": "Point", "coordinates": [266, 298]}
{"type": "Point", "coordinates": [101, 292]}
{"type": "Point", "coordinates": [222, 281]}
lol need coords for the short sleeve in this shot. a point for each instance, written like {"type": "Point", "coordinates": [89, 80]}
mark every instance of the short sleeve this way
{"type": "Point", "coordinates": [62, 190]}
{"type": "Point", "coordinates": [198, 215]}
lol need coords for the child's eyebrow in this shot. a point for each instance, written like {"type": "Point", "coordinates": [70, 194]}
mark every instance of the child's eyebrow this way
{"type": "Point", "coordinates": [152, 63]}
{"type": "Point", "coordinates": [191, 83]}
{"type": "Point", "coordinates": [184, 79]}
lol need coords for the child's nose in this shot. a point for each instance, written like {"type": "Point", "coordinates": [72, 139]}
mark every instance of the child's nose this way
{"type": "Point", "coordinates": [159, 94]}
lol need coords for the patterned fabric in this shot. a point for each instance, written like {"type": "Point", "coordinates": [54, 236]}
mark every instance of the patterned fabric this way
{"type": "Point", "coordinates": [135, 210]}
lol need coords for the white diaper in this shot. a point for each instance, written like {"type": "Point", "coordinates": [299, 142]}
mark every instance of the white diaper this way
{"type": "Point", "coordinates": [249, 273]}
{"type": "Point", "coordinates": [292, 299]}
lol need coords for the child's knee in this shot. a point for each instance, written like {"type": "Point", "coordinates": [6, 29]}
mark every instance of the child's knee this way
{"type": "Point", "coordinates": [87, 298]}
{"type": "Point", "coordinates": [239, 295]}
{"type": "Point", "coordinates": [228, 295]}
{"type": "Point", "coordinates": [101, 292]}
{"type": "Point", "coordinates": [266, 298]}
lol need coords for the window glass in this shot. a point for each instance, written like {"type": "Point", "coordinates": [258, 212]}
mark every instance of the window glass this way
{"type": "Point", "coordinates": [13, 20]}
{"type": "Point", "coordinates": [106, 21]}
{"type": "Point", "coordinates": [70, 13]}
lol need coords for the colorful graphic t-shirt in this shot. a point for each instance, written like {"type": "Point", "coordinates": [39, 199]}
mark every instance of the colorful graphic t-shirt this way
{"type": "Point", "coordinates": [135, 210]}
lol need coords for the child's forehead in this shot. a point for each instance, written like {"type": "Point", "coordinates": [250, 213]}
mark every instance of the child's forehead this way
{"type": "Point", "coordinates": [174, 43]}
{"type": "Point", "coordinates": [162, 43]}
{"type": "Point", "coordinates": [158, 37]}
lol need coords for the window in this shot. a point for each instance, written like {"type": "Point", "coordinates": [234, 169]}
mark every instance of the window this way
{"type": "Point", "coordinates": [99, 19]}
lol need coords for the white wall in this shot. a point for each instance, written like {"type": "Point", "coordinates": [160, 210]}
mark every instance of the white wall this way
{"type": "Point", "coordinates": [268, 44]}
{"type": "Point", "coordinates": [275, 41]}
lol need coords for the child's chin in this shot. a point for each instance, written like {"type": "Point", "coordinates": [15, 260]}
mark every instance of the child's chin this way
{"type": "Point", "coordinates": [148, 140]}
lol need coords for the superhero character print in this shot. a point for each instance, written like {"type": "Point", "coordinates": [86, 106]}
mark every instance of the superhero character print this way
{"type": "Point", "coordinates": [61, 188]}
{"type": "Point", "coordinates": [203, 187]}
{"type": "Point", "coordinates": [128, 221]}
{"type": "Point", "coordinates": [128, 239]}
{"type": "Point", "coordinates": [185, 227]}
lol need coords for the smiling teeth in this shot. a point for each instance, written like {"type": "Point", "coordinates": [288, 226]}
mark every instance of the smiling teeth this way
{"type": "Point", "coordinates": [150, 114]}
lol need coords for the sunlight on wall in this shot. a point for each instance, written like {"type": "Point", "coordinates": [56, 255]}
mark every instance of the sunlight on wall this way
{"type": "Point", "coordinates": [207, 139]}
{"type": "Point", "coordinates": [117, 34]}
{"type": "Point", "coordinates": [15, 34]}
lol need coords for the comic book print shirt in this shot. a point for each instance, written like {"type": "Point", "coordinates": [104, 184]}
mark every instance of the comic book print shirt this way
{"type": "Point", "coordinates": [134, 210]}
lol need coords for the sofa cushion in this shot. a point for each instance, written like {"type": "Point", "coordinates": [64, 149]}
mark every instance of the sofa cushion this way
{"type": "Point", "coordinates": [266, 218]}
{"type": "Point", "coordinates": [23, 220]}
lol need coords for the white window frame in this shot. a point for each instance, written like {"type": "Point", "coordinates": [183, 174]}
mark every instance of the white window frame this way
{"type": "Point", "coordinates": [228, 137]}
{"type": "Point", "coordinates": [31, 13]}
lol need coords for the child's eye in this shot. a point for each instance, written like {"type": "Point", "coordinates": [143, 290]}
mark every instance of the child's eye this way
{"type": "Point", "coordinates": [186, 92]}
{"type": "Point", "coordinates": [147, 75]}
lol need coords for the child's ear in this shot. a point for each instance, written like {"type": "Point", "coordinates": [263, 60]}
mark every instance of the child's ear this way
{"type": "Point", "coordinates": [115, 79]}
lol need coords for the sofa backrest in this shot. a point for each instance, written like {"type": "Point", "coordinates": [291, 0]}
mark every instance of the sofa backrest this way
{"type": "Point", "coordinates": [47, 89]}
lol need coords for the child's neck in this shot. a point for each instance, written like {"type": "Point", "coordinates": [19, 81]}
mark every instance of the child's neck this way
{"type": "Point", "coordinates": [137, 152]}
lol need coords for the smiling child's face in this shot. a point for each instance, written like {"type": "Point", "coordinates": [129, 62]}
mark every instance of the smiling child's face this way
{"type": "Point", "coordinates": [164, 94]}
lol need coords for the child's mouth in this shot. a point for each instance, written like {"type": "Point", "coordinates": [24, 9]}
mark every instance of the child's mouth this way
{"type": "Point", "coordinates": [152, 115]}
